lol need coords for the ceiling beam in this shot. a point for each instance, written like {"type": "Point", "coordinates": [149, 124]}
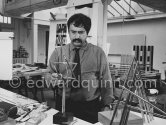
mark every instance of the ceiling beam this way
{"type": "Point", "coordinates": [155, 4]}
{"type": "Point", "coordinates": [19, 7]}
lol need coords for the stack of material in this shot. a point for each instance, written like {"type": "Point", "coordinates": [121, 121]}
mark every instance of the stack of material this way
{"type": "Point", "coordinates": [151, 80]}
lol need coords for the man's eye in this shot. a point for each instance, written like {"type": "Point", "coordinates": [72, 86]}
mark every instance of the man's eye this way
{"type": "Point", "coordinates": [80, 32]}
{"type": "Point", "coordinates": [73, 32]}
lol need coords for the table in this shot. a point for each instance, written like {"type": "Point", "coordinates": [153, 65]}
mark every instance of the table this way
{"type": "Point", "coordinates": [35, 73]}
{"type": "Point", "coordinates": [156, 121]}
{"type": "Point", "coordinates": [26, 77]}
{"type": "Point", "coordinates": [14, 98]}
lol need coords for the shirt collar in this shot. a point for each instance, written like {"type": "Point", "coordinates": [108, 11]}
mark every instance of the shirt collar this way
{"type": "Point", "coordinates": [82, 48]}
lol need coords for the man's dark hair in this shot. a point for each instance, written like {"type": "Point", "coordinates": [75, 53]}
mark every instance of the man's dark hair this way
{"type": "Point", "coordinates": [80, 20]}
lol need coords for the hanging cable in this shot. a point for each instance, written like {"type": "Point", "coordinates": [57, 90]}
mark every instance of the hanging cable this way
{"type": "Point", "coordinates": [3, 115]}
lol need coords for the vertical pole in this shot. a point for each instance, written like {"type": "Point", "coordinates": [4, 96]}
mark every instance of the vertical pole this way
{"type": "Point", "coordinates": [104, 44]}
{"type": "Point", "coordinates": [63, 98]}
{"type": "Point", "coordinates": [35, 41]}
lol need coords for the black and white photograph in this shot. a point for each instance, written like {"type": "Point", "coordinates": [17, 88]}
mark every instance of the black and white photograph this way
{"type": "Point", "coordinates": [82, 62]}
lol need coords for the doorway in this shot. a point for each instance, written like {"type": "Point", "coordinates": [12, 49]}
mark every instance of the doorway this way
{"type": "Point", "coordinates": [43, 42]}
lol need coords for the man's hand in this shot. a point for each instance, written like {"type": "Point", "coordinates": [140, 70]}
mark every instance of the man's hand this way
{"type": "Point", "coordinates": [57, 79]}
{"type": "Point", "coordinates": [107, 108]}
{"type": "Point", "coordinates": [53, 78]}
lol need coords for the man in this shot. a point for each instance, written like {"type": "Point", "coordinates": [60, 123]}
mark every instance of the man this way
{"type": "Point", "coordinates": [92, 91]}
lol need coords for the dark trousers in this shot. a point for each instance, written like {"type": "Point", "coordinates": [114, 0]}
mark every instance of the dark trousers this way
{"type": "Point", "coordinates": [85, 110]}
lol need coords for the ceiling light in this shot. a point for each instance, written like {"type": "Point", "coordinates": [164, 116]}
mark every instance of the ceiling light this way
{"type": "Point", "coordinates": [129, 17]}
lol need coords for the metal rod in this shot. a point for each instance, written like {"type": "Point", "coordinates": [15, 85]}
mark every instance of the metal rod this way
{"type": "Point", "coordinates": [63, 98]}
{"type": "Point", "coordinates": [155, 114]}
{"type": "Point", "coordinates": [122, 7]}
{"type": "Point", "coordinates": [129, 109]}
{"type": "Point", "coordinates": [141, 109]}
{"type": "Point", "coordinates": [126, 111]}
{"type": "Point", "coordinates": [141, 7]}
{"type": "Point", "coordinates": [130, 6]}
{"type": "Point", "coordinates": [144, 100]}
{"type": "Point", "coordinates": [127, 76]}
{"type": "Point", "coordinates": [116, 107]}
{"type": "Point", "coordinates": [69, 66]}
{"type": "Point", "coordinates": [115, 10]}
{"type": "Point", "coordinates": [140, 105]}
{"type": "Point", "coordinates": [64, 90]}
{"type": "Point", "coordinates": [111, 13]}
{"type": "Point", "coordinates": [123, 117]}
{"type": "Point", "coordinates": [147, 106]}
{"type": "Point", "coordinates": [144, 105]}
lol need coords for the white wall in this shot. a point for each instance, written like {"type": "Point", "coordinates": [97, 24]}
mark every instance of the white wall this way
{"type": "Point", "coordinates": [155, 32]}
{"type": "Point", "coordinates": [41, 18]}
{"type": "Point", "coordinates": [6, 54]}
{"type": "Point", "coordinates": [2, 6]}
{"type": "Point", "coordinates": [23, 36]}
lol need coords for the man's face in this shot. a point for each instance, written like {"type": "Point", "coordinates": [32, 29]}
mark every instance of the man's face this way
{"type": "Point", "coordinates": [77, 36]}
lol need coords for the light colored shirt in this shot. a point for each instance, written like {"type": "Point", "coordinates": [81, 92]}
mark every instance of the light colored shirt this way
{"type": "Point", "coordinates": [95, 75]}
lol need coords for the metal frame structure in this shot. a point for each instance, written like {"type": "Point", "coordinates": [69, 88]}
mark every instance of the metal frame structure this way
{"type": "Point", "coordinates": [138, 91]}
{"type": "Point", "coordinates": [125, 8]}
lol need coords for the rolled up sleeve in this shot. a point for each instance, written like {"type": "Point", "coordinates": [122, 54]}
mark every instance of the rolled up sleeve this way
{"type": "Point", "coordinates": [106, 81]}
{"type": "Point", "coordinates": [53, 58]}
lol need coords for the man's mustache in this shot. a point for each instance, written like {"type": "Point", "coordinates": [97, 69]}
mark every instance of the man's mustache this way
{"type": "Point", "coordinates": [79, 40]}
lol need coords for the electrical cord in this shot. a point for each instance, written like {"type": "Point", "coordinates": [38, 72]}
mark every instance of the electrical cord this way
{"type": "Point", "coordinates": [11, 110]}
{"type": "Point", "coordinates": [3, 115]}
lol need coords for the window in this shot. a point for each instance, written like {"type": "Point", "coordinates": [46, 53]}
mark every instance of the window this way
{"type": "Point", "coordinates": [1, 19]}
{"type": "Point", "coordinates": [4, 19]}
{"type": "Point", "coordinates": [9, 1]}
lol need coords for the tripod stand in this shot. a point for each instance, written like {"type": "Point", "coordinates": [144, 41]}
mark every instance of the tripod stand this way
{"type": "Point", "coordinates": [64, 117]}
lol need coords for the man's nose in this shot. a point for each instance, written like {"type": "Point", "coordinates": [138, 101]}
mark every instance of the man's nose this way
{"type": "Point", "coordinates": [77, 35]}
